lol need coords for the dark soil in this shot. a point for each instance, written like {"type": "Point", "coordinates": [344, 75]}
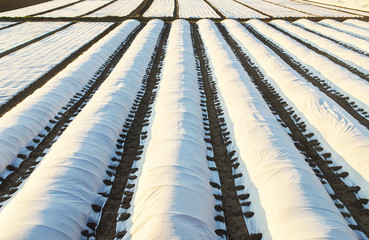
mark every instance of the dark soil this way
{"type": "Point", "coordinates": [309, 148]}
{"type": "Point", "coordinates": [107, 227]}
{"type": "Point", "coordinates": [176, 9]}
{"type": "Point", "coordinates": [235, 224]}
{"type": "Point", "coordinates": [7, 5]}
{"type": "Point", "coordinates": [141, 9]}
{"type": "Point", "coordinates": [27, 166]}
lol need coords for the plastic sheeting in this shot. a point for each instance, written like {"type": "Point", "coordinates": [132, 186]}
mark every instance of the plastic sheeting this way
{"type": "Point", "coordinates": [77, 9]}
{"type": "Point", "coordinates": [5, 24]}
{"type": "Point", "coordinates": [273, 9]}
{"type": "Point", "coordinates": [336, 76]}
{"type": "Point", "coordinates": [160, 8]}
{"type": "Point", "coordinates": [195, 9]}
{"type": "Point", "coordinates": [350, 29]}
{"type": "Point", "coordinates": [56, 200]}
{"type": "Point", "coordinates": [31, 10]}
{"type": "Point", "coordinates": [25, 32]}
{"type": "Point", "coordinates": [288, 200]}
{"type": "Point", "coordinates": [357, 23]}
{"type": "Point", "coordinates": [23, 67]}
{"type": "Point", "coordinates": [351, 4]}
{"type": "Point", "coordinates": [174, 199]}
{"type": "Point", "coordinates": [119, 8]}
{"type": "Point", "coordinates": [232, 9]}
{"type": "Point", "coordinates": [20, 125]}
{"type": "Point", "coordinates": [357, 60]}
{"type": "Point", "coordinates": [342, 37]}
{"type": "Point", "coordinates": [337, 131]}
{"type": "Point", "coordinates": [313, 9]}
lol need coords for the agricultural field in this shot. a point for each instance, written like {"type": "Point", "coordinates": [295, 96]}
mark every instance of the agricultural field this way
{"type": "Point", "coordinates": [245, 119]}
{"type": "Point", "coordinates": [213, 9]}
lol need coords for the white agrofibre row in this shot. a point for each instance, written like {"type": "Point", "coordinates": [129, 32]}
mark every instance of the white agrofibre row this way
{"type": "Point", "coordinates": [337, 77]}
{"type": "Point", "coordinates": [315, 10]}
{"type": "Point", "coordinates": [20, 125]}
{"type": "Point", "coordinates": [345, 38]}
{"type": "Point", "coordinates": [353, 4]}
{"type": "Point", "coordinates": [23, 67]}
{"type": "Point", "coordinates": [5, 24]}
{"type": "Point", "coordinates": [174, 199]}
{"type": "Point", "coordinates": [273, 9]}
{"type": "Point", "coordinates": [354, 59]}
{"type": "Point", "coordinates": [119, 8]}
{"type": "Point", "coordinates": [276, 174]}
{"type": "Point", "coordinates": [161, 8]}
{"type": "Point", "coordinates": [339, 133]}
{"type": "Point", "coordinates": [25, 32]}
{"type": "Point", "coordinates": [195, 9]}
{"type": "Point", "coordinates": [77, 9]}
{"type": "Point", "coordinates": [38, 8]}
{"type": "Point", "coordinates": [357, 23]}
{"type": "Point", "coordinates": [56, 200]}
{"type": "Point", "coordinates": [232, 9]}
{"type": "Point", "coordinates": [350, 29]}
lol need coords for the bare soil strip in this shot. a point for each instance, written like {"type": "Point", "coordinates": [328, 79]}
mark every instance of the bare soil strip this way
{"type": "Point", "coordinates": [8, 5]}
{"type": "Point", "coordinates": [58, 8]}
{"type": "Point", "coordinates": [107, 227]}
{"type": "Point", "coordinates": [309, 147]}
{"type": "Point", "coordinates": [325, 54]}
{"type": "Point", "coordinates": [339, 98]}
{"type": "Point", "coordinates": [335, 41]}
{"type": "Point", "coordinates": [3, 54]}
{"type": "Point", "coordinates": [215, 9]}
{"type": "Point", "coordinates": [61, 120]}
{"type": "Point", "coordinates": [20, 96]}
{"type": "Point", "coordinates": [234, 219]}
{"type": "Point", "coordinates": [141, 9]}
{"type": "Point", "coordinates": [99, 8]}
{"type": "Point", "coordinates": [176, 9]}
{"type": "Point", "coordinates": [255, 9]}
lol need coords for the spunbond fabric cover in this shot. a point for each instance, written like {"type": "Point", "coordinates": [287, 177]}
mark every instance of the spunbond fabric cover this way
{"type": "Point", "coordinates": [56, 200]}
{"type": "Point", "coordinates": [336, 76]}
{"type": "Point", "coordinates": [338, 132]}
{"type": "Point", "coordinates": [288, 200]}
{"type": "Point", "coordinates": [21, 124]}
{"type": "Point", "coordinates": [174, 199]}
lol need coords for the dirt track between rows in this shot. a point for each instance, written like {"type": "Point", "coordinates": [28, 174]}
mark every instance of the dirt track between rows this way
{"type": "Point", "coordinates": [131, 150]}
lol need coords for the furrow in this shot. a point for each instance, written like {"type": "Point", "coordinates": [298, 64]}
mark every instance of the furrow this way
{"type": "Point", "coordinates": [132, 149]}
{"type": "Point", "coordinates": [225, 162]}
